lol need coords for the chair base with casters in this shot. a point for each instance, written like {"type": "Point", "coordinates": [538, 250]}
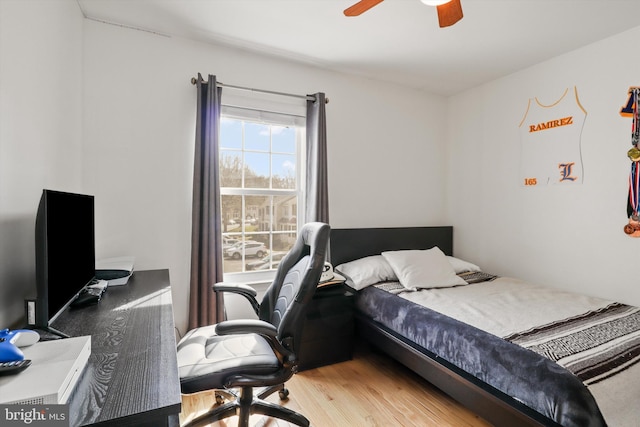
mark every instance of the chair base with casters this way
{"type": "Point", "coordinates": [244, 405]}
{"type": "Point", "coordinates": [249, 359]}
{"type": "Point", "coordinates": [283, 392]}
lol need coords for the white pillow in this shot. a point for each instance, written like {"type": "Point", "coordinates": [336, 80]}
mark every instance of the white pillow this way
{"type": "Point", "coordinates": [366, 271]}
{"type": "Point", "coordinates": [428, 268]}
{"type": "Point", "coordinates": [461, 266]}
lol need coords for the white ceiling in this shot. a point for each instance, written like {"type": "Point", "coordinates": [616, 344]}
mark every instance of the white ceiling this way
{"type": "Point", "coordinates": [396, 41]}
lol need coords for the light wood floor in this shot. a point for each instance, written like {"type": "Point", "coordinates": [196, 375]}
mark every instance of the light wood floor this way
{"type": "Point", "coordinates": [369, 391]}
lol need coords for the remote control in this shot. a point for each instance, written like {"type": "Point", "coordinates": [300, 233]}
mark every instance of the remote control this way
{"type": "Point", "coordinates": [87, 297]}
{"type": "Point", "coordinates": [100, 285]}
{"type": "Point", "coordinates": [10, 368]}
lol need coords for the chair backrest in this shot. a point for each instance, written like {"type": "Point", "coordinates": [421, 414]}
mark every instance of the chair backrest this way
{"type": "Point", "coordinates": [284, 303]}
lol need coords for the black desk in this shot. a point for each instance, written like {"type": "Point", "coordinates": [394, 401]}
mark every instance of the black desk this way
{"type": "Point", "coordinates": [131, 378]}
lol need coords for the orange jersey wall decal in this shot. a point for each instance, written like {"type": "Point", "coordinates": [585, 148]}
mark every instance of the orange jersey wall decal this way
{"type": "Point", "coordinates": [550, 141]}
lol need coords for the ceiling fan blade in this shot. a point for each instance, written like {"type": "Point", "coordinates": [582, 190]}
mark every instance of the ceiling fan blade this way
{"type": "Point", "coordinates": [449, 13]}
{"type": "Point", "coordinates": [361, 7]}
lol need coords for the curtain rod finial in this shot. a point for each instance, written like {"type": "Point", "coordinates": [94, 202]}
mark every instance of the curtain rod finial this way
{"type": "Point", "coordinates": [194, 80]}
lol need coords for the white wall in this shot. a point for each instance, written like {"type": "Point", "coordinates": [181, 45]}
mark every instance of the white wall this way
{"type": "Point", "coordinates": [115, 118]}
{"type": "Point", "coordinates": [567, 237]}
{"type": "Point", "coordinates": [384, 142]}
{"type": "Point", "coordinates": [40, 130]}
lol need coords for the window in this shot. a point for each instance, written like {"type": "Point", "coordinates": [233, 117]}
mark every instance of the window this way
{"type": "Point", "coordinates": [260, 186]}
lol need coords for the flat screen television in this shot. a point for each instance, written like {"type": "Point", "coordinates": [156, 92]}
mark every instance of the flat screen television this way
{"type": "Point", "coordinates": [65, 252]}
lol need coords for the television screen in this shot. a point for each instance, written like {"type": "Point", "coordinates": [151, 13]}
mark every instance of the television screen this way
{"type": "Point", "coordinates": [65, 251]}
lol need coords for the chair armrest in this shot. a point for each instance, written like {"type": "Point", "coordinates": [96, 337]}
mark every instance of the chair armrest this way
{"type": "Point", "coordinates": [234, 287]}
{"type": "Point", "coordinates": [260, 327]}
{"type": "Point", "coordinates": [241, 289]}
{"type": "Point", "coordinates": [246, 326]}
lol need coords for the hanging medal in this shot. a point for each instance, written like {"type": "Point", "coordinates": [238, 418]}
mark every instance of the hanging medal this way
{"type": "Point", "coordinates": [633, 203]}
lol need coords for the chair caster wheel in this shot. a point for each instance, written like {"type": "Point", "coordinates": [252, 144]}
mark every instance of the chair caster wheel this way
{"type": "Point", "coordinates": [219, 399]}
{"type": "Point", "coordinates": [284, 393]}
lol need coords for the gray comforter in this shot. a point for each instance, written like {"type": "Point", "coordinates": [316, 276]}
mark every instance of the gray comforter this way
{"type": "Point", "coordinates": [534, 380]}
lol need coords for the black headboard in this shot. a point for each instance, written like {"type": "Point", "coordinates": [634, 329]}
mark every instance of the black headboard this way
{"type": "Point", "coordinates": [348, 244]}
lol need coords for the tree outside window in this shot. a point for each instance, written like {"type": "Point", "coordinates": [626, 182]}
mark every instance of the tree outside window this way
{"type": "Point", "coordinates": [260, 191]}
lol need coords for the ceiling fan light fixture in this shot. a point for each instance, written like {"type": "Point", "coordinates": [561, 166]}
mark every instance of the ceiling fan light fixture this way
{"type": "Point", "coordinates": [435, 2]}
{"type": "Point", "coordinates": [449, 11]}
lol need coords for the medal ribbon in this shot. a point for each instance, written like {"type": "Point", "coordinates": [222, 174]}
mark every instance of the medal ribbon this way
{"type": "Point", "coordinates": [634, 187]}
{"type": "Point", "coordinates": [635, 126]}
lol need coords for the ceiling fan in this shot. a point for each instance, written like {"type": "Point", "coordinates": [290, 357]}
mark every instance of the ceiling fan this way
{"type": "Point", "coordinates": [449, 12]}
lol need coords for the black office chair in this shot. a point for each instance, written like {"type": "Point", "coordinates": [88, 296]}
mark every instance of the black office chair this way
{"type": "Point", "coordinates": [243, 354]}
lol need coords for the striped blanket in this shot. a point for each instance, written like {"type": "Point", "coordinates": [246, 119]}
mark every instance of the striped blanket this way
{"type": "Point", "coordinates": [593, 346]}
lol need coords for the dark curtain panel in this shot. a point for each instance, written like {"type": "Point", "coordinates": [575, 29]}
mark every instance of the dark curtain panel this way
{"type": "Point", "coordinates": [205, 308]}
{"type": "Point", "coordinates": [317, 194]}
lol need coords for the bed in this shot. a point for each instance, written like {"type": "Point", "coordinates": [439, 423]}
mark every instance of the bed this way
{"type": "Point", "coordinates": [508, 372]}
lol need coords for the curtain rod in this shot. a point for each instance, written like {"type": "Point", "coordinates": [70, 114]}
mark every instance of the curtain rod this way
{"type": "Point", "coordinates": [307, 97]}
